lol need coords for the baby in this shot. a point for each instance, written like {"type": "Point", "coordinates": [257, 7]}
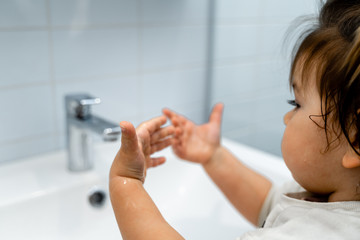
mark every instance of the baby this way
{"type": "Point", "coordinates": [320, 146]}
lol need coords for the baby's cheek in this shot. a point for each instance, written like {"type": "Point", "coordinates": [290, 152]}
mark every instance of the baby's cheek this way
{"type": "Point", "coordinates": [291, 149]}
{"type": "Point", "coordinates": [287, 144]}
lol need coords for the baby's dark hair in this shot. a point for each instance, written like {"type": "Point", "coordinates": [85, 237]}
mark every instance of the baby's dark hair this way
{"type": "Point", "coordinates": [331, 49]}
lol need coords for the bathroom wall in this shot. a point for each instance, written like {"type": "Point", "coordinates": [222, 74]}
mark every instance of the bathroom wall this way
{"type": "Point", "coordinates": [251, 65]}
{"type": "Point", "coordinates": [138, 56]}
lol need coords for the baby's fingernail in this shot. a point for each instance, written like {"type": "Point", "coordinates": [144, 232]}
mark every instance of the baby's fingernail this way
{"type": "Point", "coordinates": [122, 128]}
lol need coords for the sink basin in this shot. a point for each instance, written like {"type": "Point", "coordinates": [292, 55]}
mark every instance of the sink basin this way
{"type": "Point", "coordinates": [41, 199]}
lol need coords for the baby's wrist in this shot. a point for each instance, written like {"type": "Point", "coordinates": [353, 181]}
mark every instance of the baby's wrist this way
{"type": "Point", "coordinates": [119, 173]}
{"type": "Point", "coordinates": [216, 156]}
{"type": "Point", "coordinates": [123, 184]}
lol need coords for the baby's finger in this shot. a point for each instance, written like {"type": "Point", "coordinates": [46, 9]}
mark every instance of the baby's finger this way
{"type": "Point", "coordinates": [171, 115]}
{"type": "Point", "coordinates": [178, 151]}
{"type": "Point", "coordinates": [175, 142]}
{"type": "Point", "coordinates": [129, 142]}
{"type": "Point", "coordinates": [168, 113]}
{"type": "Point", "coordinates": [179, 121]}
{"type": "Point", "coordinates": [216, 114]}
{"type": "Point", "coordinates": [182, 120]}
{"type": "Point", "coordinates": [175, 118]}
{"type": "Point", "coordinates": [153, 124]}
{"type": "Point", "coordinates": [154, 162]}
{"type": "Point", "coordinates": [162, 133]}
{"type": "Point", "coordinates": [175, 121]}
{"type": "Point", "coordinates": [178, 131]}
{"type": "Point", "coordinates": [160, 145]}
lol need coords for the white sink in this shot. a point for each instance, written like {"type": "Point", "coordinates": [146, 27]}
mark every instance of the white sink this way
{"type": "Point", "coordinates": [41, 199]}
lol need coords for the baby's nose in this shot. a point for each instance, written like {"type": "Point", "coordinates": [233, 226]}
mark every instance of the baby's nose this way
{"type": "Point", "coordinates": [287, 117]}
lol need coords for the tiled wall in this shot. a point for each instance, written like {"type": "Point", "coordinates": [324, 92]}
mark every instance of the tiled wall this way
{"type": "Point", "coordinates": [136, 55]}
{"type": "Point", "coordinates": [251, 66]}
{"type": "Point", "coordinates": [139, 56]}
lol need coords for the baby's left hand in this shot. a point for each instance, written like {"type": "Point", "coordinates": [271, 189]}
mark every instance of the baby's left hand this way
{"type": "Point", "coordinates": [137, 146]}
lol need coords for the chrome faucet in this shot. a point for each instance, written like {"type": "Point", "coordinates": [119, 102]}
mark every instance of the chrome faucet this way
{"type": "Point", "coordinates": [80, 128]}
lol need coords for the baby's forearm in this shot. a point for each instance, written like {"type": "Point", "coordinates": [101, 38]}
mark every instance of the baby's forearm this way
{"type": "Point", "coordinates": [136, 214]}
{"type": "Point", "coordinates": [245, 188]}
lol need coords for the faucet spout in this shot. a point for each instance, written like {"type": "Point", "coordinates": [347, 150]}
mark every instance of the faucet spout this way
{"type": "Point", "coordinates": [81, 126]}
{"type": "Point", "coordinates": [107, 130]}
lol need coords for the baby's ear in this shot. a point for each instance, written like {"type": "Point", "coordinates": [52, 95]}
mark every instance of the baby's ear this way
{"type": "Point", "coordinates": [351, 159]}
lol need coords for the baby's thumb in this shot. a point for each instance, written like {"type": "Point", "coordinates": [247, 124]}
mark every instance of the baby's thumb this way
{"type": "Point", "coordinates": [129, 142]}
{"type": "Point", "coordinates": [216, 114]}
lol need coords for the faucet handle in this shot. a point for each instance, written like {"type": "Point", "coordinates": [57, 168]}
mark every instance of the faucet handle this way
{"type": "Point", "coordinates": [88, 100]}
{"type": "Point", "coordinates": [79, 105]}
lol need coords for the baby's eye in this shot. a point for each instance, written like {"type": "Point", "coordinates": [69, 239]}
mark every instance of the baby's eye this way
{"type": "Point", "coordinates": [293, 103]}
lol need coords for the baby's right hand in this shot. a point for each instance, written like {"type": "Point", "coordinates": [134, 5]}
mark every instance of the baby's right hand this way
{"type": "Point", "coordinates": [196, 143]}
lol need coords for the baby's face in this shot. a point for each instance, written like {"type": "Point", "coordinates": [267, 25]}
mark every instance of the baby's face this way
{"type": "Point", "coordinates": [304, 143]}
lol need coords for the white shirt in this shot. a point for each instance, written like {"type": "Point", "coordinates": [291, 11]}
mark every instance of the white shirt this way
{"type": "Point", "coordinates": [285, 217]}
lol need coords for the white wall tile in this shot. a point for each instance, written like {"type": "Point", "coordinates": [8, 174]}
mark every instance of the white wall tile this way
{"type": "Point", "coordinates": [88, 53]}
{"type": "Point", "coordinates": [27, 147]}
{"type": "Point", "coordinates": [289, 9]}
{"type": "Point", "coordinates": [172, 89]}
{"type": "Point", "coordinates": [170, 46]}
{"type": "Point", "coordinates": [99, 47]}
{"type": "Point", "coordinates": [269, 107]}
{"type": "Point", "coordinates": [233, 80]}
{"type": "Point", "coordinates": [266, 137]}
{"type": "Point", "coordinates": [262, 104]}
{"type": "Point", "coordinates": [272, 38]}
{"type": "Point", "coordinates": [174, 11]}
{"type": "Point", "coordinates": [235, 41]}
{"type": "Point", "coordinates": [239, 134]}
{"type": "Point", "coordinates": [235, 9]}
{"type": "Point", "coordinates": [26, 112]}
{"type": "Point", "coordinates": [263, 115]}
{"type": "Point", "coordinates": [93, 12]}
{"type": "Point", "coordinates": [238, 113]}
{"type": "Point", "coordinates": [196, 113]}
{"type": "Point", "coordinates": [24, 57]}
{"type": "Point", "coordinates": [272, 74]}
{"type": "Point", "coordinates": [193, 111]}
{"type": "Point", "coordinates": [254, 116]}
{"type": "Point", "coordinates": [23, 13]}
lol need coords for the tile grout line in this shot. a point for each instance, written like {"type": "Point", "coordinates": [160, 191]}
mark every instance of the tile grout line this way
{"type": "Point", "coordinates": [161, 69]}
{"type": "Point", "coordinates": [210, 57]}
{"type": "Point", "coordinates": [101, 26]}
{"type": "Point", "coordinates": [140, 56]}
{"type": "Point", "coordinates": [52, 72]}
{"type": "Point", "coordinates": [220, 22]}
{"type": "Point", "coordinates": [26, 139]}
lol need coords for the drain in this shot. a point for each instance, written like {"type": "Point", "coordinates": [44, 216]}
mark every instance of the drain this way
{"type": "Point", "coordinates": [97, 197]}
